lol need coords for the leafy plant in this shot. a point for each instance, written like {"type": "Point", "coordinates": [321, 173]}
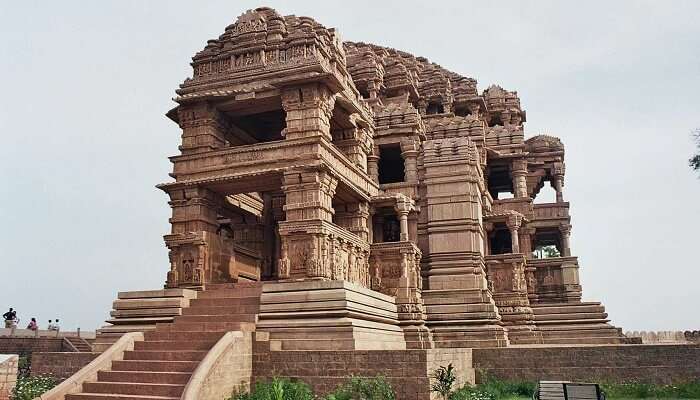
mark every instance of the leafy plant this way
{"type": "Point", "coordinates": [639, 390]}
{"type": "Point", "coordinates": [277, 389]}
{"type": "Point", "coordinates": [444, 379]}
{"type": "Point", "coordinates": [471, 393]}
{"type": "Point", "coordinates": [30, 387]}
{"type": "Point", "coordinates": [24, 365]}
{"type": "Point", "coordinates": [357, 388]}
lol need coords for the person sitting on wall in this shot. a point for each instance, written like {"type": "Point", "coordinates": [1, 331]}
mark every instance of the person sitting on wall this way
{"type": "Point", "coordinates": [51, 326]}
{"type": "Point", "coordinates": [33, 325]}
{"type": "Point", "coordinates": [56, 326]}
{"type": "Point", "coordinates": [10, 318]}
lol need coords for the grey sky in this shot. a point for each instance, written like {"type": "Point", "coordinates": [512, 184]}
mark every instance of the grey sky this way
{"type": "Point", "coordinates": [84, 138]}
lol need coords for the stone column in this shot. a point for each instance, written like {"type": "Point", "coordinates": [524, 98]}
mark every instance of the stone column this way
{"type": "Point", "coordinates": [373, 166]}
{"type": "Point", "coordinates": [402, 209]}
{"type": "Point", "coordinates": [526, 239]}
{"type": "Point", "coordinates": [513, 222]}
{"type": "Point", "coordinates": [203, 128]}
{"type": "Point", "coordinates": [519, 168]}
{"type": "Point", "coordinates": [309, 109]}
{"type": "Point", "coordinates": [565, 230]}
{"type": "Point", "coordinates": [409, 152]}
{"type": "Point", "coordinates": [558, 180]}
{"type": "Point", "coordinates": [308, 209]}
{"type": "Point", "coordinates": [488, 228]}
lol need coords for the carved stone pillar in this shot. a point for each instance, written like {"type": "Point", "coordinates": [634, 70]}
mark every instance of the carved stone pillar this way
{"type": "Point", "coordinates": [558, 181]}
{"type": "Point", "coordinates": [519, 178]}
{"type": "Point", "coordinates": [373, 165]}
{"type": "Point", "coordinates": [565, 230]}
{"type": "Point", "coordinates": [203, 128]}
{"type": "Point", "coordinates": [198, 254]}
{"type": "Point", "coordinates": [526, 240]}
{"type": "Point", "coordinates": [309, 109]}
{"type": "Point", "coordinates": [513, 222]}
{"type": "Point", "coordinates": [308, 209]}
{"type": "Point", "coordinates": [409, 152]}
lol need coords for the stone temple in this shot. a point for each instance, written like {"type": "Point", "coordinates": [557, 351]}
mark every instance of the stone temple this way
{"type": "Point", "coordinates": [344, 196]}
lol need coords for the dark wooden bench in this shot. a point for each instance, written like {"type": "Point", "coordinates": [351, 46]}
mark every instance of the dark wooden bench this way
{"type": "Point", "coordinates": [562, 390]}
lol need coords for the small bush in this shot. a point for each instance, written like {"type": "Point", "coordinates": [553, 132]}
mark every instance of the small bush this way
{"type": "Point", "coordinates": [364, 389]}
{"type": "Point", "coordinates": [637, 390]}
{"type": "Point", "coordinates": [471, 393]}
{"type": "Point", "coordinates": [29, 387]}
{"type": "Point", "coordinates": [278, 389]}
{"type": "Point", "coordinates": [444, 378]}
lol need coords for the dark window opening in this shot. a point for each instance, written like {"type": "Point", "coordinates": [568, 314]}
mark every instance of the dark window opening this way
{"type": "Point", "coordinates": [462, 111]}
{"type": "Point", "coordinates": [391, 229]}
{"type": "Point", "coordinates": [547, 243]}
{"type": "Point", "coordinates": [496, 120]}
{"type": "Point", "coordinates": [257, 128]}
{"type": "Point", "coordinates": [364, 93]}
{"type": "Point", "coordinates": [435, 108]}
{"type": "Point", "coordinates": [500, 241]}
{"type": "Point", "coordinates": [391, 165]}
{"type": "Point", "coordinates": [500, 181]}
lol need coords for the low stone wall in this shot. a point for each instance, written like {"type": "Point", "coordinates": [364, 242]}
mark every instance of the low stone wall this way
{"type": "Point", "coordinates": [662, 364]}
{"type": "Point", "coordinates": [60, 365]}
{"type": "Point", "coordinates": [27, 345]}
{"type": "Point", "coordinates": [659, 337]}
{"type": "Point", "coordinates": [408, 371]}
{"type": "Point", "coordinates": [8, 374]}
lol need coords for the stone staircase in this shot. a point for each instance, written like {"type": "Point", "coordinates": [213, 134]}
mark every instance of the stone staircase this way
{"type": "Point", "coordinates": [80, 344]}
{"type": "Point", "coordinates": [576, 323]}
{"type": "Point", "coordinates": [160, 366]}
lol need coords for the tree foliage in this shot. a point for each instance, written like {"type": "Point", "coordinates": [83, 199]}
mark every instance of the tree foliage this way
{"type": "Point", "coordinates": [694, 161]}
{"type": "Point", "coordinates": [444, 378]}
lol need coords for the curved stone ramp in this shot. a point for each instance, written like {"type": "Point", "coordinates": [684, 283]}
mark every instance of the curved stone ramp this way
{"type": "Point", "coordinates": [159, 366]}
{"type": "Point", "coordinates": [227, 368]}
{"type": "Point", "coordinates": [104, 361]}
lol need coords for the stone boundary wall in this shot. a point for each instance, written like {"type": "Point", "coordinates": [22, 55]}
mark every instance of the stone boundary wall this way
{"type": "Point", "coordinates": [8, 374]}
{"type": "Point", "coordinates": [407, 370]}
{"type": "Point", "coordinates": [26, 345]}
{"type": "Point", "coordinates": [653, 337]}
{"type": "Point", "coordinates": [661, 364]}
{"type": "Point", "coordinates": [60, 365]}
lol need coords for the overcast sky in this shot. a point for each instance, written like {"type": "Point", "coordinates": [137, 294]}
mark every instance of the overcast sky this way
{"type": "Point", "coordinates": [84, 139]}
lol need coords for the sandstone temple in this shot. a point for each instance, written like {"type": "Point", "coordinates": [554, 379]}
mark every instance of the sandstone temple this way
{"type": "Point", "coordinates": [345, 196]}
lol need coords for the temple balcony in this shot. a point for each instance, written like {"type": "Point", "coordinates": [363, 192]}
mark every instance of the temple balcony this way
{"type": "Point", "coordinates": [392, 261]}
{"type": "Point", "coordinates": [522, 205]}
{"type": "Point", "coordinates": [259, 167]}
{"type": "Point", "coordinates": [550, 214]}
{"type": "Point", "coordinates": [553, 280]}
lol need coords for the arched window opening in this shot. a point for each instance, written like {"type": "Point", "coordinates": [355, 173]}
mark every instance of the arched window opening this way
{"type": "Point", "coordinates": [546, 194]}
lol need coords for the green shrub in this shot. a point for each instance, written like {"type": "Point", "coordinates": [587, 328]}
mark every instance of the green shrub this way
{"type": "Point", "coordinates": [638, 390]}
{"type": "Point", "coordinates": [357, 388]}
{"type": "Point", "coordinates": [29, 387]}
{"type": "Point", "coordinates": [24, 365]}
{"type": "Point", "coordinates": [471, 393]}
{"type": "Point", "coordinates": [278, 389]}
{"type": "Point", "coordinates": [444, 378]}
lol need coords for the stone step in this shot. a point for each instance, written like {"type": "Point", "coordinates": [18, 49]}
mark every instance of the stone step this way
{"type": "Point", "coordinates": [180, 335]}
{"type": "Point", "coordinates": [154, 366]}
{"type": "Point", "coordinates": [230, 293]}
{"type": "Point", "coordinates": [570, 316]}
{"type": "Point", "coordinates": [573, 322]}
{"type": "Point", "coordinates": [222, 309]}
{"type": "Point", "coordinates": [217, 302]}
{"type": "Point", "coordinates": [147, 389]}
{"type": "Point", "coordinates": [216, 318]}
{"type": "Point", "coordinates": [105, 396]}
{"type": "Point", "coordinates": [207, 326]}
{"type": "Point", "coordinates": [179, 378]}
{"type": "Point", "coordinates": [159, 355]}
{"type": "Point", "coordinates": [583, 340]}
{"type": "Point", "coordinates": [174, 345]}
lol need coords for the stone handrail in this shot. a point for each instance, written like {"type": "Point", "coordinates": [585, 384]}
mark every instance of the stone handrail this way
{"type": "Point", "coordinates": [228, 366]}
{"type": "Point", "coordinates": [551, 210]}
{"type": "Point", "coordinates": [74, 384]}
